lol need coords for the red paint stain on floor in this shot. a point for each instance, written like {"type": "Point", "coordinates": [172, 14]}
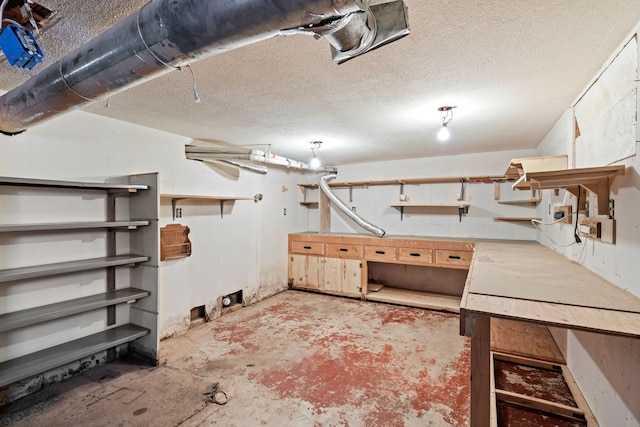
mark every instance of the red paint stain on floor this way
{"type": "Point", "coordinates": [361, 366]}
{"type": "Point", "coordinates": [451, 389]}
{"type": "Point", "coordinates": [326, 381]}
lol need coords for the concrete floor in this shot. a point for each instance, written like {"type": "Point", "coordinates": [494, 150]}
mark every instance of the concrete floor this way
{"type": "Point", "coordinates": [296, 359]}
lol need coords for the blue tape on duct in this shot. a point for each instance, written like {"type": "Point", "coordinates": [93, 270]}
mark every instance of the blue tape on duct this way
{"type": "Point", "coordinates": [20, 47]}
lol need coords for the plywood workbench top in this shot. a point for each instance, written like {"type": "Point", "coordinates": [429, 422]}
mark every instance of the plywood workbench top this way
{"type": "Point", "coordinates": [527, 281]}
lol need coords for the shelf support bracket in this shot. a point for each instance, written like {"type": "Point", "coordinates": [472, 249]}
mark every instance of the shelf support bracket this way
{"type": "Point", "coordinates": [462, 210]}
{"type": "Point", "coordinates": [401, 197]}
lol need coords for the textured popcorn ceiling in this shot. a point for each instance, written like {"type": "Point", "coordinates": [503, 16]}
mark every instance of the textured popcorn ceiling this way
{"type": "Point", "coordinates": [512, 68]}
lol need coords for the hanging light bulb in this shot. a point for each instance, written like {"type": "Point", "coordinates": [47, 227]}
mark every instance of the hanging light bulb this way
{"type": "Point", "coordinates": [443, 133]}
{"type": "Point", "coordinates": [315, 162]}
{"type": "Point", "coordinates": [446, 115]}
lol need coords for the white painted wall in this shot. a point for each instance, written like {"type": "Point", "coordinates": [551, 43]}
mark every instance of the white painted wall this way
{"type": "Point", "coordinates": [373, 202]}
{"type": "Point", "coordinates": [607, 369]}
{"type": "Point", "coordinates": [246, 250]}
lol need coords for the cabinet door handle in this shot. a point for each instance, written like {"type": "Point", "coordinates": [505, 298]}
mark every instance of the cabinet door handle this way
{"type": "Point", "coordinates": [380, 252]}
{"type": "Point", "coordinates": [454, 256]}
{"type": "Point", "coordinates": [344, 250]}
{"type": "Point", "coordinates": [307, 247]}
{"type": "Point", "coordinates": [414, 254]}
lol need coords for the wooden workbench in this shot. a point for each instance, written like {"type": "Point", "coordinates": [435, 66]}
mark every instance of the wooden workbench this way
{"type": "Point", "coordinates": [528, 282]}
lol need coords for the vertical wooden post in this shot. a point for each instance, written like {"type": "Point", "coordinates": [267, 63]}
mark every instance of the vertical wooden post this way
{"type": "Point", "coordinates": [324, 213]}
{"type": "Point", "coordinates": [478, 327]}
{"type": "Point", "coordinates": [496, 190]}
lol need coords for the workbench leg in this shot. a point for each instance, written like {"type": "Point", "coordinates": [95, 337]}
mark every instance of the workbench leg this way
{"type": "Point", "coordinates": [478, 327]}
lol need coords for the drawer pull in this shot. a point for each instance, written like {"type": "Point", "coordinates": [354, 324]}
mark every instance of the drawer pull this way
{"type": "Point", "coordinates": [344, 250]}
{"type": "Point", "coordinates": [380, 252]}
{"type": "Point", "coordinates": [307, 247]}
{"type": "Point", "coordinates": [414, 254]}
{"type": "Point", "coordinates": [454, 256]}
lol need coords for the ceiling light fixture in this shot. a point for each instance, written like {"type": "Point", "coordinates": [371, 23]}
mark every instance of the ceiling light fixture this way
{"type": "Point", "coordinates": [446, 115]}
{"type": "Point", "coordinates": [315, 162]}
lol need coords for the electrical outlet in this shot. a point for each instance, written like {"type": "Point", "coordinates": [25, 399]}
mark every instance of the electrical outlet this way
{"type": "Point", "coordinates": [178, 212]}
{"type": "Point", "coordinates": [563, 212]}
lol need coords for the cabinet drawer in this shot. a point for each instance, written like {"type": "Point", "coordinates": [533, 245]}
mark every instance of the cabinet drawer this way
{"type": "Point", "coordinates": [462, 258]}
{"type": "Point", "coordinates": [312, 248]}
{"type": "Point", "coordinates": [337, 250]}
{"type": "Point", "coordinates": [381, 253]}
{"type": "Point", "coordinates": [415, 255]}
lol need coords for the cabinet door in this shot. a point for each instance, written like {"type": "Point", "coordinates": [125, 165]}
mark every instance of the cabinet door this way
{"type": "Point", "coordinates": [343, 276]}
{"type": "Point", "coordinates": [306, 271]}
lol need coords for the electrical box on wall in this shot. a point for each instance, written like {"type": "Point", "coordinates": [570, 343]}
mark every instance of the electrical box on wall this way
{"type": "Point", "coordinates": [20, 47]}
{"type": "Point", "coordinates": [597, 228]}
{"type": "Point", "coordinates": [563, 213]}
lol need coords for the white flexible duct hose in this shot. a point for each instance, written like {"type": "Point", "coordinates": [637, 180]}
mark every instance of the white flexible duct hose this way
{"type": "Point", "coordinates": [344, 208]}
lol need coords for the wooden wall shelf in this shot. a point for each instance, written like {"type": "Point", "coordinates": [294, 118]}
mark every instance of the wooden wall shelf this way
{"type": "Point", "coordinates": [540, 173]}
{"type": "Point", "coordinates": [463, 208]}
{"type": "Point", "coordinates": [414, 181]}
{"type": "Point", "coordinates": [175, 198]}
{"type": "Point", "coordinates": [513, 219]}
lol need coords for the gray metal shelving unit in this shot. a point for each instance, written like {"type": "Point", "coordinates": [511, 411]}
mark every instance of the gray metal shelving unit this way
{"type": "Point", "coordinates": [140, 333]}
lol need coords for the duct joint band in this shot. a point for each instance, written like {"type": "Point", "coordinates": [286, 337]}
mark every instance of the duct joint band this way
{"type": "Point", "coordinates": [147, 46]}
{"type": "Point", "coordinates": [64, 80]}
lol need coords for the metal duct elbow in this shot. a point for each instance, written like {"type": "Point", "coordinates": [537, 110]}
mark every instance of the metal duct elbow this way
{"type": "Point", "coordinates": [165, 35]}
{"type": "Point", "coordinates": [324, 186]}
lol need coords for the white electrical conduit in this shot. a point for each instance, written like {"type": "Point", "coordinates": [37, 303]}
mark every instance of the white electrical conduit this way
{"type": "Point", "coordinates": [228, 155]}
{"type": "Point", "coordinates": [2, 6]}
{"type": "Point", "coordinates": [344, 208]}
{"type": "Point", "coordinates": [262, 170]}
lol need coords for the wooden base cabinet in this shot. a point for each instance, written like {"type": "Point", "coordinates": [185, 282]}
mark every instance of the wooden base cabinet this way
{"type": "Point", "coordinates": [306, 272]}
{"type": "Point", "coordinates": [414, 271]}
{"type": "Point", "coordinates": [332, 275]}
{"type": "Point", "coordinates": [343, 276]}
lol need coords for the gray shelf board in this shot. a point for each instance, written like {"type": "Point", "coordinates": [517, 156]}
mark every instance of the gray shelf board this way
{"type": "Point", "coordinates": [32, 182]}
{"type": "Point", "coordinates": [44, 270]}
{"type": "Point", "coordinates": [13, 228]}
{"type": "Point", "coordinates": [519, 202]}
{"type": "Point", "coordinates": [32, 364]}
{"type": "Point", "coordinates": [32, 316]}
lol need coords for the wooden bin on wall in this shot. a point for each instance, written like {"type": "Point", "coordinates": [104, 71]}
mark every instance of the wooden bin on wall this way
{"type": "Point", "coordinates": [174, 242]}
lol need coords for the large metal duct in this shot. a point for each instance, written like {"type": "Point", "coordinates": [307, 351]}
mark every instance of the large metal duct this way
{"type": "Point", "coordinates": [324, 186]}
{"type": "Point", "coordinates": [168, 34]}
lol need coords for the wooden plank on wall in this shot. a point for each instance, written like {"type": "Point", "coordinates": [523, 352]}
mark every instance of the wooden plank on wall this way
{"type": "Point", "coordinates": [324, 213]}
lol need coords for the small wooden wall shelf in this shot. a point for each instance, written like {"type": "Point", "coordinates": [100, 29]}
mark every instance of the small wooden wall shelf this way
{"type": "Point", "coordinates": [175, 198]}
{"type": "Point", "coordinates": [463, 208]}
{"type": "Point", "coordinates": [513, 219]}
{"type": "Point", "coordinates": [174, 242]}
